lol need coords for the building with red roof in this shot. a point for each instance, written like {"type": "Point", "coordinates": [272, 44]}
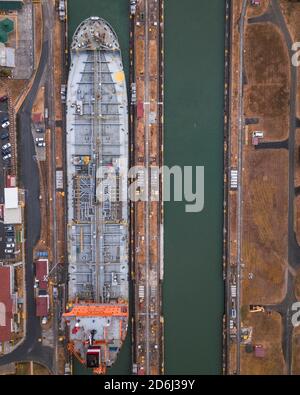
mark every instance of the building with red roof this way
{"type": "Point", "coordinates": [6, 303]}
{"type": "Point", "coordinates": [41, 273]}
{"type": "Point", "coordinates": [42, 305]}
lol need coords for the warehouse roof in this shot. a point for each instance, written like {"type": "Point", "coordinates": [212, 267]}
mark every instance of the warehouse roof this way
{"type": "Point", "coordinates": [11, 5]}
{"type": "Point", "coordinates": [11, 197]}
{"type": "Point", "coordinates": [41, 269]}
{"type": "Point", "coordinates": [42, 305]}
{"type": "Point", "coordinates": [6, 303]}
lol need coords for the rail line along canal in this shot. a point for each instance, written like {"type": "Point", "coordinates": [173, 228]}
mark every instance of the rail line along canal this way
{"type": "Point", "coordinates": [147, 212]}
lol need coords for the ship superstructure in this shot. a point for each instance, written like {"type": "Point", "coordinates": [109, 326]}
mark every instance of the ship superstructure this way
{"type": "Point", "coordinates": [97, 165]}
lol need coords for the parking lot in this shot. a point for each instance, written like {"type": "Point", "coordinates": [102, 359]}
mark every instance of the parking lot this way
{"type": "Point", "coordinates": [39, 137]}
{"type": "Point", "coordinates": [7, 233]}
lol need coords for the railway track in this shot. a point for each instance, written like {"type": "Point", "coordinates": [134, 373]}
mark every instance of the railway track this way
{"type": "Point", "coordinates": [147, 130]}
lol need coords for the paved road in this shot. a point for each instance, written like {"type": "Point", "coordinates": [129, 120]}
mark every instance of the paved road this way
{"type": "Point", "coordinates": [30, 349]}
{"type": "Point", "coordinates": [240, 170]}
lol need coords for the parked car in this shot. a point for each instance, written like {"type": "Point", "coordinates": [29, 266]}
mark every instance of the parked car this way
{"type": "Point", "coordinates": [12, 245]}
{"type": "Point", "coordinates": [6, 147]}
{"type": "Point", "coordinates": [39, 139]}
{"type": "Point", "coordinates": [9, 251]}
{"type": "Point", "coordinates": [41, 144]}
{"type": "Point", "coordinates": [4, 135]}
{"type": "Point", "coordinates": [3, 98]}
{"type": "Point", "coordinates": [39, 130]}
{"type": "Point", "coordinates": [6, 157]}
{"type": "Point", "coordinates": [9, 240]}
{"type": "Point", "coordinates": [9, 228]}
{"type": "Point", "coordinates": [9, 233]}
{"type": "Point", "coordinates": [5, 124]}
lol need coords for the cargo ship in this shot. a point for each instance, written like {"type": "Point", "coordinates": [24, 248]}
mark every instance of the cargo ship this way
{"type": "Point", "coordinates": [96, 319]}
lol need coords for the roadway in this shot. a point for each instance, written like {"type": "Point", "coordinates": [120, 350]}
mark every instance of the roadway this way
{"type": "Point", "coordinates": [31, 349]}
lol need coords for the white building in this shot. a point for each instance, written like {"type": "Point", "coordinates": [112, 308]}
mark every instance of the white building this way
{"type": "Point", "coordinates": [7, 56]}
{"type": "Point", "coordinates": [12, 208]}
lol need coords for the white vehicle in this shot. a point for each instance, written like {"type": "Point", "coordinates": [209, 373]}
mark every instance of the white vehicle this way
{"type": "Point", "coordinates": [8, 251]}
{"type": "Point", "coordinates": [44, 320]}
{"type": "Point", "coordinates": [258, 134]}
{"type": "Point", "coordinates": [39, 139]}
{"type": "Point", "coordinates": [6, 146]}
{"type": "Point", "coordinates": [5, 124]}
{"type": "Point", "coordinates": [6, 157]}
{"type": "Point", "coordinates": [41, 144]}
{"type": "Point", "coordinates": [12, 245]}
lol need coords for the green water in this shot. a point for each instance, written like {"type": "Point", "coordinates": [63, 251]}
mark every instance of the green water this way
{"type": "Point", "coordinates": [193, 288]}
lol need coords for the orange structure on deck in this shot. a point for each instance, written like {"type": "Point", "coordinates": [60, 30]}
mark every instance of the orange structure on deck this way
{"type": "Point", "coordinates": [98, 311]}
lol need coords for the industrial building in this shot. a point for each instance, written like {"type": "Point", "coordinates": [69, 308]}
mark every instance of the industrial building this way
{"type": "Point", "coordinates": [7, 303]}
{"type": "Point", "coordinates": [42, 306]}
{"type": "Point", "coordinates": [12, 207]}
{"type": "Point", "coordinates": [41, 273]}
{"type": "Point", "coordinates": [7, 56]}
{"type": "Point", "coordinates": [12, 5]}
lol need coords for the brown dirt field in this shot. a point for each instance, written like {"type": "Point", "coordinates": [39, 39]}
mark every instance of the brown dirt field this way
{"type": "Point", "coordinates": [297, 158]}
{"type": "Point", "coordinates": [154, 148]}
{"type": "Point", "coordinates": [154, 231]}
{"type": "Point", "coordinates": [140, 231]}
{"type": "Point", "coordinates": [256, 11]}
{"type": "Point", "coordinates": [265, 234]}
{"type": "Point", "coordinates": [296, 352]}
{"type": "Point", "coordinates": [60, 218]}
{"type": "Point", "coordinates": [235, 53]}
{"type": "Point", "coordinates": [267, 331]}
{"type": "Point", "coordinates": [291, 12]}
{"type": "Point", "coordinates": [39, 103]}
{"type": "Point", "coordinates": [40, 370]}
{"type": "Point", "coordinates": [268, 79]}
{"type": "Point", "coordinates": [19, 273]}
{"type": "Point", "coordinates": [153, 55]}
{"type": "Point", "coordinates": [23, 369]}
{"type": "Point", "coordinates": [266, 55]}
{"type": "Point", "coordinates": [140, 66]}
{"type": "Point", "coordinates": [139, 144]}
{"type": "Point", "coordinates": [232, 357]}
{"type": "Point", "coordinates": [59, 147]}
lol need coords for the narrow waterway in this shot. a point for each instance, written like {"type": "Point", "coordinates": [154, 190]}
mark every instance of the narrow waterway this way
{"type": "Point", "coordinates": [194, 86]}
{"type": "Point", "coordinates": [193, 288]}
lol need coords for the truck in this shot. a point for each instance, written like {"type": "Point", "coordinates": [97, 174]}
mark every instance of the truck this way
{"type": "Point", "coordinates": [132, 7]}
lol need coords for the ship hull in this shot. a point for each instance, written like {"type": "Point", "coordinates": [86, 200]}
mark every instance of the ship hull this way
{"type": "Point", "coordinates": [97, 166]}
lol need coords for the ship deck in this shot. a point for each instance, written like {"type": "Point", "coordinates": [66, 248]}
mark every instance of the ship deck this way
{"type": "Point", "coordinates": [97, 157]}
